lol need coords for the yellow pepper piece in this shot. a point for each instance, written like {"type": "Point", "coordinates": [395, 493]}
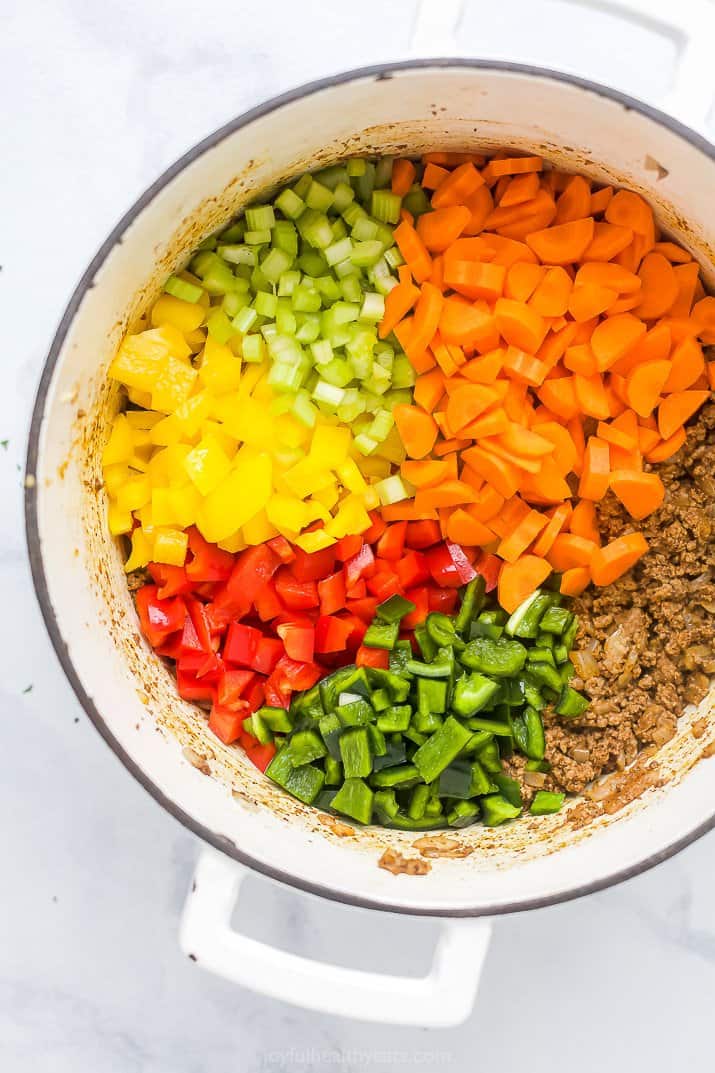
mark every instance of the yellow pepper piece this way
{"type": "Point", "coordinates": [290, 432]}
{"type": "Point", "coordinates": [195, 340]}
{"type": "Point", "coordinates": [250, 376]}
{"type": "Point", "coordinates": [170, 546]}
{"type": "Point", "coordinates": [175, 455]}
{"type": "Point", "coordinates": [145, 518]}
{"type": "Point", "coordinates": [185, 316]}
{"type": "Point", "coordinates": [173, 385]}
{"type": "Point", "coordinates": [207, 464]}
{"type": "Point", "coordinates": [371, 498]}
{"type": "Point", "coordinates": [141, 552]}
{"type": "Point", "coordinates": [330, 444]}
{"type": "Point", "coordinates": [120, 521]}
{"type": "Point", "coordinates": [351, 517]}
{"type": "Point", "coordinates": [134, 493]}
{"type": "Point", "coordinates": [314, 541]}
{"type": "Point", "coordinates": [120, 445]}
{"type": "Point", "coordinates": [392, 447]}
{"type": "Point", "coordinates": [139, 398]}
{"type": "Point", "coordinates": [220, 370]}
{"type": "Point", "coordinates": [258, 529]}
{"type": "Point", "coordinates": [185, 503]}
{"type": "Point", "coordinates": [306, 477]}
{"type": "Point", "coordinates": [233, 543]}
{"type": "Point", "coordinates": [328, 496]}
{"type": "Point", "coordinates": [158, 468]}
{"type": "Point", "coordinates": [350, 476]}
{"type": "Point", "coordinates": [191, 414]}
{"type": "Point", "coordinates": [143, 419]}
{"type": "Point", "coordinates": [163, 511]}
{"type": "Point", "coordinates": [375, 467]}
{"type": "Point", "coordinates": [240, 496]}
{"type": "Point", "coordinates": [287, 513]}
{"type": "Point", "coordinates": [247, 420]}
{"type": "Point", "coordinates": [114, 477]}
{"type": "Point", "coordinates": [229, 443]}
{"type": "Point", "coordinates": [167, 431]}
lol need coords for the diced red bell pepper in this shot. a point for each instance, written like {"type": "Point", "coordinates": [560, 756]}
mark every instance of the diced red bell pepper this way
{"type": "Point", "coordinates": [412, 569]}
{"type": "Point", "coordinates": [277, 691]}
{"type": "Point", "coordinates": [312, 566]}
{"type": "Point", "coordinates": [268, 651]}
{"type": "Point", "coordinates": [384, 583]}
{"type": "Point", "coordinates": [267, 603]}
{"type": "Point", "coordinates": [255, 695]}
{"type": "Point", "coordinates": [420, 598]}
{"type": "Point", "coordinates": [296, 674]}
{"type": "Point", "coordinates": [357, 591]}
{"type": "Point", "coordinates": [448, 567]}
{"type": "Point", "coordinates": [261, 755]}
{"type": "Point", "coordinates": [331, 593]}
{"type": "Point", "coordinates": [253, 568]}
{"type": "Point", "coordinates": [171, 648]}
{"type": "Point", "coordinates": [298, 639]}
{"type": "Point", "coordinates": [422, 534]}
{"type": "Point", "coordinates": [296, 595]}
{"type": "Point", "coordinates": [226, 723]}
{"type": "Point", "coordinates": [489, 566]}
{"type": "Point", "coordinates": [372, 657]}
{"type": "Point", "coordinates": [159, 618]}
{"type": "Point", "coordinates": [358, 629]}
{"type": "Point", "coordinates": [364, 609]}
{"type": "Point", "coordinates": [202, 664]}
{"type": "Point", "coordinates": [463, 564]}
{"type": "Point", "coordinates": [232, 685]}
{"type": "Point", "coordinates": [373, 534]}
{"type": "Point", "coordinates": [170, 580]}
{"type": "Point", "coordinates": [392, 542]}
{"type": "Point", "coordinates": [200, 621]}
{"type": "Point", "coordinates": [282, 548]}
{"type": "Point", "coordinates": [241, 643]}
{"type": "Point", "coordinates": [358, 566]}
{"type": "Point", "coordinates": [331, 634]}
{"type": "Point", "coordinates": [208, 562]}
{"type": "Point", "coordinates": [192, 688]}
{"type": "Point", "coordinates": [347, 546]}
{"type": "Point", "coordinates": [225, 606]}
{"type": "Point", "coordinates": [444, 600]}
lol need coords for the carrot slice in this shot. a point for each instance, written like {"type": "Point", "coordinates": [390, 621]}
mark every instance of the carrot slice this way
{"type": "Point", "coordinates": [575, 202]}
{"type": "Point", "coordinates": [574, 581]}
{"type": "Point", "coordinates": [417, 429]}
{"type": "Point", "coordinates": [522, 279]}
{"type": "Point", "coordinates": [440, 228]}
{"type": "Point", "coordinates": [644, 385]}
{"type": "Point", "coordinates": [425, 473]}
{"type": "Point", "coordinates": [433, 176]}
{"type": "Point", "coordinates": [564, 243]}
{"type": "Point", "coordinates": [677, 408]}
{"type": "Point", "coordinates": [590, 300]}
{"type": "Point", "coordinates": [525, 367]}
{"type": "Point", "coordinates": [459, 184]}
{"type": "Point", "coordinates": [475, 280]}
{"type": "Point", "coordinates": [403, 176]}
{"type": "Point", "coordinates": [468, 402]}
{"type": "Point", "coordinates": [480, 204]}
{"type": "Point", "coordinates": [591, 395]}
{"type": "Point", "coordinates": [665, 449]}
{"type": "Point", "coordinates": [551, 297]}
{"type": "Point", "coordinates": [605, 274]}
{"type": "Point", "coordinates": [608, 241]}
{"type": "Point", "coordinates": [491, 424]}
{"type": "Point", "coordinates": [546, 486]}
{"type": "Point", "coordinates": [560, 397]}
{"type": "Point", "coordinates": [485, 370]}
{"type": "Point", "coordinates": [617, 436]}
{"type": "Point", "coordinates": [520, 189]}
{"type": "Point", "coordinates": [525, 443]}
{"type": "Point", "coordinates": [653, 346]}
{"type": "Point", "coordinates": [687, 364]}
{"type": "Point", "coordinates": [687, 279]}
{"type": "Point", "coordinates": [429, 389]}
{"type": "Point", "coordinates": [614, 337]}
{"type": "Point", "coordinates": [596, 469]}
{"type": "Point", "coordinates": [398, 304]}
{"type": "Point", "coordinates": [463, 529]}
{"type": "Point", "coordinates": [500, 474]}
{"type": "Point", "coordinates": [467, 326]}
{"type": "Point", "coordinates": [559, 518]}
{"type": "Point", "coordinates": [489, 502]}
{"type": "Point", "coordinates": [613, 560]}
{"type": "Point", "coordinates": [640, 493]}
{"type": "Point", "coordinates": [515, 543]}
{"type": "Point", "coordinates": [583, 521]}
{"type": "Point", "coordinates": [447, 494]}
{"type": "Point", "coordinates": [519, 580]}
{"type": "Point", "coordinates": [659, 286]}
{"type": "Point", "coordinates": [516, 165]}
{"type": "Point", "coordinates": [565, 453]}
{"type": "Point", "coordinates": [569, 550]}
{"type": "Point", "coordinates": [628, 209]}
{"type": "Point", "coordinates": [413, 250]}
{"type": "Point", "coordinates": [675, 254]}
{"type": "Point", "coordinates": [581, 359]}
{"type": "Point", "coordinates": [519, 325]}
{"type": "Point", "coordinates": [426, 318]}
{"type": "Point", "coordinates": [599, 200]}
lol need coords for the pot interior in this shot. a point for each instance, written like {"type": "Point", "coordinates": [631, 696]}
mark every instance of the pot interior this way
{"type": "Point", "coordinates": [127, 691]}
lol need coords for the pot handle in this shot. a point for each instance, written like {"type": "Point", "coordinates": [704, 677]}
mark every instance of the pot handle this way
{"type": "Point", "coordinates": [690, 24]}
{"type": "Point", "coordinates": [442, 998]}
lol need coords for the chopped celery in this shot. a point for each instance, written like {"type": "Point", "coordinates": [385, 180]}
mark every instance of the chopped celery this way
{"type": "Point", "coordinates": [181, 288]}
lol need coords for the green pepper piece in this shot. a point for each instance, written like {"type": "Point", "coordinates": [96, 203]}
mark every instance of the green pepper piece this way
{"type": "Point", "coordinates": [463, 814]}
{"type": "Point", "coordinates": [394, 608]}
{"type": "Point", "coordinates": [531, 692]}
{"type": "Point", "coordinates": [546, 676]}
{"type": "Point", "coordinates": [354, 799]}
{"type": "Point", "coordinates": [400, 654]}
{"type": "Point", "coordinates": [567, 671]}
{"type": "Point", "coordinates": [544, 640]}
{"type": "Point", "coordinates": [276, 719]}
{"type": "Point", "coordinates": [496, 809]}
{"type": "Point", "coordinates": [433, 808]}
{"type": "Point", "coordinates": [330, 728]}
{"type": "Point", "coordinates": [418, 802]}
{"type": "Point", "coordinates": [476, 741]}
{"type": "Point", "coordinates": [556, 620]}
{"type": "Point", "coordinates": [403, 822]}
{"type": "Point", "coordinates": [509, 788]}
{"type": "Point", "coordinates": [397, 686]}
{"type": "Point", "coordinates": [355, 753]}
{"type": "Point", "coordinates": [500, 658]}
{"type": "Point", "coordinates": [571, 703]}
{"type": "Point", "coordinates": [561, 653]}
{"type": "Point", "coordinates": [256, 726]}
{"type": "Point", "coordinates": [338, 682]}
{"type": "Point", "coordinates": [325, 799]}
{"type": "Point", "coordinates": [378, 744]}
{"type": "Point", "coordinates": [519, 732]}
{"type": "Point", "coordinates": [306, 746]}
{"type": "Point", "coordinates": [381, 634]}
{"type": "Point", "coordinates": [380, 700]}
{"type": "Point", "coordinates": [333, 771]}
{"type": "Point", "coordinates": [309, 703]}
{"type": "Point", "coordinates": [545, 803]}
{"type": "Point", "coordinates": [488, 624]}
{"type": "Point", "coordinates": [440, 749]}
{"type": "Point", "coordinates": [441, 629]}
{"type": "Point", "coordinates": [472, 693]}
{"type": "Point", "coordinates": [472, 603]}
{"type": "Point", "coordinates": [395, 753]}
{"type": "Point", "coordinates": [540, 655]}
{"type": "Point", "coordinates": [492, 726]}
{"type": "Point", "coordinates": [403, 775]}
{"type": "Point", "coordinates": [395, 719]}
{"type": "Point", "coordinates": [441, 666]}
{"type": "Point", "coordinates": [355, 714]}
{"type": "Point", "coordinates": [463, 780]}
{"type": "Point", "coordinates": [535, 739]}
{"type": "Point", "coordinates": [569, 635]}
{"type": "Point", "coordinates": [431, 695]}
{"type": "Point", "coordinates": [426, 645]}
{"type": "Point", "coordinates": [538, 765]}
{"type": "Point", "coordinates": [526, 620]}
{"type": "Point", "coordinates": [426, 722]}
{"type": "Point", "coordinates": [303, 782]}
{"type": "Point", "coordinates": [413, 735]}
{"type": "Point", "coordinates": [489, 757]}
{"type": "Point", "coordinates": [385, 805]}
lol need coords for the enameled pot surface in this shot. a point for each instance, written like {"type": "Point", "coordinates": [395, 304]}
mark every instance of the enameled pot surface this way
{"type": "Point", "coordinates": [127, 692]}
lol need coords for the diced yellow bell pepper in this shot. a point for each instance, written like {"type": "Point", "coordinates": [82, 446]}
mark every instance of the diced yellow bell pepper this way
{"type": "Point", "coordinates": [315, 540]}
{"type": "Point", "coordinates": [120, 445]}
{"type": "Point", "coordinates": [392, 448]}
{"type": "Point", "coordinates": [167, 431]}
{"type": "Point", "coordinates": [316, 512]}
{"type": "Point", "coordinates": [328, 496]}
{"type": "Point", "coordinates": [120, 521]}
{"type": "Point", "coordinates": [262, 391]}
{"type": "Point", "coordinates": [141, 552]}
{"type": "Point", "coordinates": [140, 460]}
{"type": "Point", "coordinates": [140, 398]}
{"type": "Point", "coordinates": [185, 316]}
{"type": "Point", "coordinates": [220, 370]}
{"type": "Point", "coordinates": [229, 443]}
{"type": "Point", "coordinates": [248, 421]}
{"type": "Point", "coordinates": [351, 517]}
{"type": "Point", "coordinates": [143, 419]}
{"type": "Point", "coordinates": [163, 511]}
{"type": "Point", "coordinates": [175, 455]}
{"type": "Point", "coordinates": [290, 432]}
{"type": "Point", "coordinates": [258, 529]}
{"type": "Point", "coordinates": [185, 503]}
{"type": "Point", "coordinates": [173, 385]}
{"type": "Point", "coordinates": [379, 468]}
{"type": "Point", "coordinates": [307, 476]}
{"type": "Point", "coordinates": [350, 476]}
{"type": "Point", "coordinates": [371, 498]}
{"type": "Point", "coordinates": [170, 546]}
{"type": "Point", "coordinates": [250, 376]}
{"type": "Point", "coordinates": [192, 413]}
{"type": "Point", "coordinates": [195, 340]}
{"type": "Point", "coordinates": [114, 477]}
{"type": "Point", "coordinates": [233, 543]}
{"type": "Point", "coordinates": [330, 445]}
{"type": "Point", "coordinates": [207, 464]}
{"type": "Point", "coordinates": [288, 513]}
{"type": "Point", "coordinates": [158, 468]}
{"type": "Point", "coordinates": [145, 517]}
{"type": "Point", "coordinates": [134, 493]}
{"type": "Point", "coordinates": [240, 496]}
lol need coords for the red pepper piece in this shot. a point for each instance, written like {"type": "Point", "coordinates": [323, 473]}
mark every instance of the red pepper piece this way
{"type": "Point", "coordinates": [463, 564]}
{"type": "Point", "coordinates": [357, 591]}
{"type": "Point", "coordinates": [268, 651]}
{"type": "Point", "coordinates": [252, 569]}
{"type": "Point", "coordinates": [347, 546]}
{"type": "Point", "coordinates": [422, 534]}
{"type": "Point", "coordinates": [392, 542]}
{"type": "Point", "coordinates": [192, 688]}
{"type": "Point", "coordinates": [171, 648]}
{"type": "Point", "coordinates": [298, 639]}
{"type": "Point", "coordinates": [384, 584]}
{"type": "Point", "coordinates": [312, 566]}
{"type": "Point", "coordinates": [255, 695]}
{"type": "Point", "coordinates": [412, 569]}
{"type": "Point", "coordinates": [170, 580]}
{"type": "Point", "coordinates": [261, 755]}
{"type": "Point", "coordinates": [331, 634]}
{"type": "Point", "coordinates": [449, 566]}
{"type": "Point", "coordinates": [364, 609]}
{"type": "Point", "coordinates": [297, 675]}
{"type": "Point", "coordinates": [358, 566]}
{"type": "Point", "coordinates": [282, 548]}
{"type": "Point", "coordinates": [296, 595]}
{"type": "Point", "coordinates": [489, 566]}
{"type": "Point", "coordinates": [277, 691]}
{"type": "Point", "coordinates": [159, 618]}
{"type": "Point", "coordinates": [267, 603]}
{"type": "Point", "coordinates": [420, 598]}
{"type": "Point", "coordinates": [241, 643]}
{"type": "Point", "coordinates": [444, 600]}
{"type": "Point", "coordinates": [372, 657]}
{"type": "Point", "coordinates": [208, 563]}
{"type": "Point", "coordinates": [371, 535]}
{"type": "Point", "coordinates": [226, 723]}
{"type": "Point", "coordinates": [201, 623]}
{"type": "Point", "coordinates": [232, 685]}
{"type": "Point", "coordinates": [331, 593]}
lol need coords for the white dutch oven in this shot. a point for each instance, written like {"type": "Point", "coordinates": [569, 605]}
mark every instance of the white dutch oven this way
{"type": "Point", "coordinates": [127, 691]}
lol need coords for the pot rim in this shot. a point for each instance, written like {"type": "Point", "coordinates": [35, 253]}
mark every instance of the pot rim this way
{"type": "Point", "coordinates": [378, 71]}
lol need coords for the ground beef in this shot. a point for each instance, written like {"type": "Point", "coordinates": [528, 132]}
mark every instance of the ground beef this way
{"type": "Point", "coordinates": [650, 633]}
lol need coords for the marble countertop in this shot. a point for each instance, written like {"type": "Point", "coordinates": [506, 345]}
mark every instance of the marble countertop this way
{"type": "Point", "coordinates": [99, 98]}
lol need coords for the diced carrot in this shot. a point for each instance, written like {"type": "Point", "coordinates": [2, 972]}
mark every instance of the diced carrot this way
{"type": "Point", "coordinates": [485, 370]}
{"type": "Point", "coordinates": [429, 389]}
{"type": "Point", "coordinates": [640, 493]}
{"type": "Point", "coordinates": [659, 287]}
{"type": "Point", "coordinates": [446, 494]}
{"type": "Point", "coordinates": [514, 510]}
{"type": "Point", "coordinates": [459, 184]}
{"type": "Point", "coordinates": [520, 189]}
{"type": "Point", "coordinates": [463, 324]}
{"type": "Point", "coordinates": [564, 243]}
{"type": "Point", "coordinates": [468, 402]}
{"type": "Point", "coordinates": [462, 528]}
{"type": "Point", "coordinates": [677, 408]}
{"type": "Point", "coordinates": [520, 325]}
{"type": "Point", "coordinates": [551, 297]}
{"type": "Point", "coordinates": [581, 359]}
{"type": "Point", "coordinates": [426, 318]}
{"type": "Point", "coordinates": [556, 344]}
{"type": "Point", "coordinates": [560, 397]}
{"type": "Point", "coordinates": [569, 550]}
{"type": "Point", "coordinates": [480, 204]}
{"type": "Point", "coordinates": [613, 560]}
{"type": "Point", "coordinates": [574, 581]}
{"type": "Point", "coordinates": [424, 473]}
{"type": "Point", "coordinates": [665, 449]}
{"type": "Point", "coordinates": [541, 209]}
{"type": "Point", "coordinates": [686, 278]}
{"type": "Point", "coordinates": [608, 241]}
{"type": "Point", "coordinates": [406, 511]}
{"type": "Point", "coordinates": [475, 280]}
{"type": "Point", "coordinates": [648, 439]}
{"type": "Point", "coordinates": [433, 175]}
{"type": "Point", "coordinates": [546, 486]}
{"type": "Point", "coordinates": [590, 300]}
{"type": "Point", "coordinates": [501, 475]}
{"type": "Point", "coordinates": [508, 251]}
{"type": "Point", "coordinates": [413, 250]}
{"type": "Point", "coordinates": [516, 165]}
{"type": "Point", "coordinates": [596, 470]}
{"type": "Point", "coordinates": [628, 209]}
{"type": "Point", "coordinates": [417, 429]}
{"type": "Point", "coordinates": [611, 276]}
{"type": "Point", "coordinates": [447, 446]}
{"type": "Point", "coordinates": [525, 367]}
{"type": "Point", "coordinates": [599, 200]}
{"type": "Point", "coordinates": [421, 362]}
{"type": "Point", "coordinates": [612, 434]}
{"type": "Point", "coordinates": [440, 228]}
{"type": "Point", "coordinates": [675, 254]}
{"type": "Point", "coordinates": [522, 279]}
{"type": "Point", "coordinates": [583, 521]}
{"type": "Point", "coordinates": [494, 445]}
{"type": "Point", "coordinates": [687, 364]}
{"type": "Point", "coordinates": [515, 543]}
{"type": "Point", "coordinates": [398, 304]}
{"type": "Point", "coordinates": [653, 346]}
{"type": "Point", "coordinates": [591, 396]}
{"type": "Point", "coordinates": [559, 517]}
{"type": "Point", "coordinates": [519, 580]}
{"type": "Point", "coordinates": [524, 443]}
{"type": "Point", "coordinates": [565, 454]}
{"type": "Point", "coordinates": [489, 502]}
{"type": "Point", "coordinates": [403, 176]}
{"type": "Point", "coordinates": [644, 385]}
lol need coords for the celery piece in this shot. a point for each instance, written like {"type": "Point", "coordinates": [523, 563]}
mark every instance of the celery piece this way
{"type": "Point", "coordinates": [364, 184]}
{"type": "Point", "coordinates": [234, 233]}
{"type": "Point", "coordinates": [318, 196]}
{"type": "Point", "coordinates": [253, 348]}
{"type": "Point", "coordinates": [393, 257]}
{"type": "Point", "coordinates": [328, 393]}
{"type": "Point", "coordinates": [338, 251]}
{"type": "Point", "coordinates": [351, 288]}
{"type": "Point", "coordinates": [287, 283]}
{"type": "Point", "coordinates": [327, 288]}
{"type": "Point", "coordinates": [285, 317]}
{"type": "Point", "coordinates": [345, 268]}
{"type": "Point", "coordinates": [365, 444]}
{"type": "Point", "coordinates": [312, 263]}
{"type": "Point", "coordinates": [201, 262]}
{"type": "Point", "coordinates": [337, 372]}
{"type": "Point", "coordinates": [219, 326]}
{"type": "Point", "coordinates": [305, 299]}
{"type": "Point", "coordinates": [181, 288]}
{"type": "Point", "coordinates": [275, 263]}
{"type": "Point", "coordinates": [257, 238]}
{"type": "Point", "coordinates": [353, 213]}
{"type": "Point", "coordinates": [260, 218]}
{"type": "Point", "coordinates": [373, 307]}
{"type": "Point", "coordinates": [290, 204]}
{"type": "Point", "coordinates": [265, 304]}
{"type": "Point", "coordinates": [332, 175]}
{"type": "Point", "coordinates": [244, 321]}
{"type": "Point", "coordinates": [337, 226]}
{"type": "Point", "coordinates": [416, 201]}
{"type": "Point", "coordinates": [286, 377]}
{"type": "Point", "coordinates": [385, 206]}
{"type": "Point", "coordinates": [219, 279]}
{"type": "Point", "coordinates": [391, 489]}
{"type": "Point", "coordinates": [385, 235]}
{"type": "Point", "coordinates": [382, 425]}
{"type": "Point", "coordinates": [285, 237]}
{"type": "Point", "coordinates": [303, 409]}
{"type": "Point", "coordinates": [238, 255]}
{"type": "Point", "coordinates": [233, 303]}
{"type": "Point", "coordinates": [343, 195]}
{"type": "Point", "coordinates": [345, 312]}
{"type": "Point", "coordinates": [322, 351]}
{"type": "Point", "coordinates": [383, 171]}
{"type": "Point", "coordinates": [302, 185]}
{"type": "Point", "coordinates": [355, 166]}
{"type": "Point", "coordinates": [403, 375]}
{"type": "Point", "coordinates": [366, 254]}
{"type": "Point", "coordinates": [365, 229]}
{"type": "Point", "coordinates": [308, 327]}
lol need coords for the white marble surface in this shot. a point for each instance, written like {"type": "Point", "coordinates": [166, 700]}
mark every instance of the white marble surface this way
{"type": "Point", "coordinates": [98, 98]}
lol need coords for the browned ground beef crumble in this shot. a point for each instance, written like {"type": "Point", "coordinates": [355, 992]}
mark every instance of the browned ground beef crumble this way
{"type": "Point", "coordinates": [650, 633]}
